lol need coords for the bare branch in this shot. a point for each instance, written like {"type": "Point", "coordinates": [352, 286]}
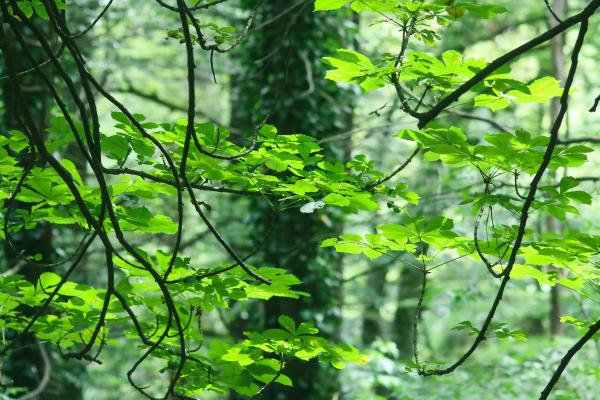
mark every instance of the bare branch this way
{"type": "Point", "coordinates": [564, 362]}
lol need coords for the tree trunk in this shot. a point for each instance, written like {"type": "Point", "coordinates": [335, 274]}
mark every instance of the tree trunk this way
{"type": "Point", "coordinates": [558, 68]}
{"type": "Point", "coordinates": [282, 60]}
{"type": "Point", "coordinates": [29, 364]}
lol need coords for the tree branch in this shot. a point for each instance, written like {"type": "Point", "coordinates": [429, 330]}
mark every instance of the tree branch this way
{"type": "Point", "coordinates": [590, 140]}
{"type": "Point", "coordinates": [426, 117]}
{"type": "Point", "coordinates": [567, 359]}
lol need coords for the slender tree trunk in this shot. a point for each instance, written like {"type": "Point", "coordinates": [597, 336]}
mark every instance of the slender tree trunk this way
{"type": "Point", "coordinates": [557, 56]}
{"type": "Point", "coordinates": [404, 317]}
{"type": "Point", "coordinates": [409, 288]}
{"type": "Point", "coordinates": [374, 299]}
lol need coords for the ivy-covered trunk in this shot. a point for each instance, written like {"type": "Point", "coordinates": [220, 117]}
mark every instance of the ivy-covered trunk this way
{"type": "Point", "coordinates": [281, 68]}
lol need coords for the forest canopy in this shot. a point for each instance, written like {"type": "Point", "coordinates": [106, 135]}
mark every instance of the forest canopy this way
{"type": "Point", "coordinates": [310, 199]}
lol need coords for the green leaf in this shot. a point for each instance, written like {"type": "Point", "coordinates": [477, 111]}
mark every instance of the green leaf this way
{"type": "Point", "coordinates": [540, 91]}
{"type": "Point", "coordinates": [49, 279]}
{"type": "Point", "coordinates": [483, 11]}
{"type": "Point", "coordinates": [494, 103]}
{"type": "Point", "coordinates": [303, 186]}
{"type": "Point", "coordinates": [235, 354]}
{"type": "Point", "coordinates": [352, 66]}
{"type": "Point", "coordinates": [336, 200]}
{"type": "Point", "coordinates": [567, 183]}
{"type": "Point", "coordinates": [527, 271]}
{"type": "Point", "coordinates": [350, 248]}
{"type": "Point", "coordinates": [329, 242]}
{"type": "Point", "coordinates": [69, 166]}
{"type": "Point", "coordinates": [306, 328]}
{"type": "Point", "coordinates": [288, 323]}
{"type": "Point", "coordinates": [580, 196]}
{"type": "Point", "coordinates": [276, 334]}
{"type": "Point", "coordinates": [276, 164]}
{"type": "Point", "coordinates": [468, 326]}
{"type": "Point", "coordinates": [324, 5]}
{"type": "Point", "coordinates": [284, 380]}
{"type": "Point", "coordinates": [115, 146]}
{"type": "Point", "coordinates": [120, 117]}
{"type": "Point", "coordinates": [570, 320]}
{"type": "Point", "coordinates": [398, 232]}
{"type": "Point", "coordinates": [26, 8]}
{"type": "Point", "coordinates": [363, 201]}
{"type": "Point", "coordinates": [40, 10]}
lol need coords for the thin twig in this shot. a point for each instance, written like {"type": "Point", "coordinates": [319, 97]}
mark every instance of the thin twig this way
{"type": "Point", "coordinates": [395, 172]}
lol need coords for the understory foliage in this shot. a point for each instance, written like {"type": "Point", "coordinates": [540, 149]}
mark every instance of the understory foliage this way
{"type": "Point", "coordinates": [154, 298]}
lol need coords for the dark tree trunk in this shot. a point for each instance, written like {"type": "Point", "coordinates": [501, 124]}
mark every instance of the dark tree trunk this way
{"type": "Point", "coordinates": [282, 58]}
{"type": "Point", "coordinates": [26, 365]}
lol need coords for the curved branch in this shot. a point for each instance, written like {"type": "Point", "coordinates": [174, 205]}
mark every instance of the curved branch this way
{"type": "Point", "coordinates": [567, 359]}
{"type": "Point", "coordinates": [94, 22]}
{"type": "Point", "coordinates": [595, 105]}
{"type": "Point", "coordinates": [549, 7]}
{"type": "Point", "coordinates": [190, 133]}
{"type": "Point", "coordinates": [564, 104]}
{"type": "Point", "coordinates": [47, 61]}
{"type": "Point", "coordinates": [266, 385]}
{"type": "Point", "coordinates": [426, 117]}
{"type": "Point", "coordinates": [395, 172]}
